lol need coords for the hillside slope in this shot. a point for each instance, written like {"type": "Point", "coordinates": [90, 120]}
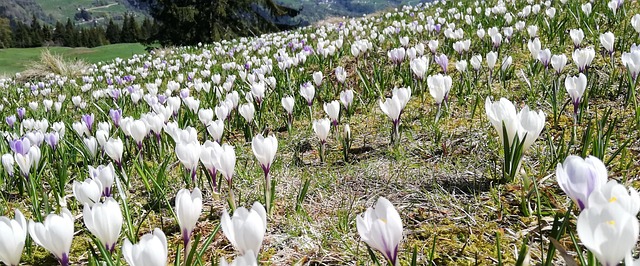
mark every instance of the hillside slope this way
{"type": "Point", "coordinates": [100, 11]}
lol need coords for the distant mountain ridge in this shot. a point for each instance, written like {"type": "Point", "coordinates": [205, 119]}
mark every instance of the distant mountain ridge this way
{"type": "Point", "coordinates": [79, 11]}
{"type": "Point", "coordinates": [100, 11]}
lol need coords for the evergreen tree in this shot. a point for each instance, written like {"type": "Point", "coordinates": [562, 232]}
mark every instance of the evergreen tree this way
{"type": "Point", "coordinates": [36, 33]}
{"type": "Point", "coordinates": [85, 38]}
{"type": "Point", "coordinates": [113, 32]}
{"type": "Point", "coordinates": [71, 36]}
{"type": "Point", "coordinates": [145, 30]}
{"type": "Point", "coordinates": [59, 33]}
{"type": "Point", "coordinates": [135, 28]}
{"type": "Point", "coordinates": [191, 21]}
{"type": "Point", "coordinates": [21, 35]}
{"type": "Point", "coordinates": [129, 33]}
{"type": "Point", "coordinates": [47, 34]}
{"type": "Point", "coordinates": [6, 36]}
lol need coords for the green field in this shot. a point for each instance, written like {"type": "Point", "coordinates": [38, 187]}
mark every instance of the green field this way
{"type": "Point", "coordinates": [63, 9]}
{"type": "Point", "coordinates": [14, 60]}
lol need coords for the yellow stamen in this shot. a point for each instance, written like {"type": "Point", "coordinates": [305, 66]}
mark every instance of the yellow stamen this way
{"type": "Point", "coordinates": [613, 199]}
{"type": "Point", "coordinates": [612, 222]}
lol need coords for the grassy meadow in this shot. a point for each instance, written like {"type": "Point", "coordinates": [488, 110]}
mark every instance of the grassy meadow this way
{"type": "Point", "coordinates": [14, 60]}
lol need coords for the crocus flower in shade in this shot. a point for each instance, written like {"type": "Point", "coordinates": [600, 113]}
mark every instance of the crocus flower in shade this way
{"type": "Point", "coordinates": [558, 62]}
{"type": "Point", "coordinates": [419, 66]}
{"type": "Point", "coordinates": [307, 91]}
{"type": "Point", "coordinates": [506, 63]}
{"type": "Point", "coordinates": [392, 107]}
{"type": "Point", "coordinates": [534, 47]}
{"type": "Point", "coordinates": [150, 250]}
{"type": "Point", "coordinates": [317, 78]}
{"type": "Point", "coordinates": [492, 59]}
{"type": "Point", "coordinates": [265, 151]}
{"type": "Point", "coordinates": [7, 163]}
{"type": "Point", "coordinates": [246, 228]}
{"type": "Point", "coordinates": [578, 178]}
{"type": "Point", "coordinates": [55, 234]}
{"type": "Point", "coordinates": [227, 162]}
{"type": "Point", "coordinates": [106, 175]}
{"type": "Point", "coordinates": [608, 231]}
{"type": "Point", "coordinates": [381, 228]}
{"type": "Point", "coordinates": [247, 111]}
{"type": "Point", "coordinates": [496, 39]}
{"type": "Point", "coordinates": [531, 125]}
{"type": "Point", "coordinates": [583, 58]}
{"type": "Point", "coordinates": [138, 130]}
{"type": "Point", "coordinates": [439, 87]}
{"type": "Point", "coordinates": [87, 192]}
{"type": "Point", "coordinates": [333, 111]}
{"type": "Point", "coordinates": [586, 9]}
{"type": "Point", "coordinates": [104, 220]}
{"type": "Point", "coordinates": [209, 158]}
{"type": "Point", "coordinates": [404, 95]}
{"type": "Point", "coordinates": [258, 89]}
{"type": "Point", "coordinates": [346, 98]}
{"type": "Point", "coordinates": [91, 145]}
{"type": "Point", "coordinates": [14, 234]}
{"type": "Point", "coordinates": [321, 127]}
{"type": "Point", "coordinates": [81, 129]}
{"type": "Point", "coordinates": [614, 5]}
{"type": "Point", "coordinates": [52, 139]}
{"type": "Point", "coordinates": [635, 22]}
{"type": "Point", "coordinates": [396, 55]}
{"type": "Point", "coordinates": [631, 61]}
{"type": "Point", "coordinates": [20, 146]}
{"type": "Point", "coordinates": [576, 87]}
{"type": "Point", "coordinates": [189, 156]}
{"type": "Point", "coordinates": [87, 120]}
{"type": "Point", "coordinates": [287, 103]}
{"type": "Point", "coordinates": [341, 74]}
{"type": "Point", "coordinates": [114, 149]}
{"type": "Point", "coordinates": [476, 62]}
{"type": "Point", "coordinates": [433, 46]}
{"type": "Point", "coordinates": [216, 130]}
{"type": "Point", "coordinates": [188, 210]}
{"type": "Point", "coordinates": [607, 40]}
{"type": "Point", "coordinates": [21, 112]}
{"type": "Point", "coordinates": [443, 61]}
{"type": "Point", "coordinates": [222, 111]}
{"type": "Point", "coordinates": [11, 120]}
{"type": "Point", "coordinates": [248, 259]}
{"type": "Point", "coordinates": [544, 56]}
{"type": "Point", "coordinates": [614, 193]}
{"type": "Point", "coordinates": [205, 115]}
{"type": "Point", "coordinates": [27, 161]}
{"type": "Point", "coordinates": [526, 122]}
{"type": "Point", "coordinates": [577, 35]}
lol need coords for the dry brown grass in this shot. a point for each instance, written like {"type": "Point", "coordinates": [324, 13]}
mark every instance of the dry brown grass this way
{"type": "Point", "coordinates": [53, 64]}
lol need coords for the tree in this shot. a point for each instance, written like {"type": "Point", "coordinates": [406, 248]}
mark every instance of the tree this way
{"type": "Point", "coordinates": [59, 33]}
{"type": "Point", "coordinates": [146, 29]}
{"type": "Point", "coordinates": [130, 30]}
{"type": "Point", "coordinates": [21, 35]}
{"type": "Point", "coordinates": [187, 22]}
{"type": "Point", "coordinates": [71, 36]}
{"type": "Point", "coordinates": [6, 36]}
{"type": "Point", "coordinates": [113, 32]}
{"type": "Point", "coordinates": [36, 32]}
